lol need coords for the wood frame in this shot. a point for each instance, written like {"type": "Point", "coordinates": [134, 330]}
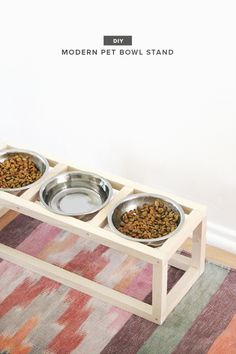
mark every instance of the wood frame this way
{"type": "Point", "coordinates": [160, 258]}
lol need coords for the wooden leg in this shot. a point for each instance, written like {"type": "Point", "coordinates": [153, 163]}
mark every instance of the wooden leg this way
{"type": "Point", "coordinates": [159, 291]}
{"type": "Point", "coordinates": [199, 246]}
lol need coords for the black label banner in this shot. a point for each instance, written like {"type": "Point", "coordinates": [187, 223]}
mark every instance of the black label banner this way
{"type": "Point", "coordinates": [117, 40]}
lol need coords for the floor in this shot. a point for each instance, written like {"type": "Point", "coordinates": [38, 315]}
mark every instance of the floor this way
{"type": "Point", "coordinates": [215, 255]}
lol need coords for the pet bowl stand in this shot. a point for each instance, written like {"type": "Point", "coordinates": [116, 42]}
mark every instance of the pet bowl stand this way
{"type": "Point", "coordinates": [160, 258]}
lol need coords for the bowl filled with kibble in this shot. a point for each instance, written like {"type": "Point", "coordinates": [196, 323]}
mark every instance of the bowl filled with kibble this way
{"type": "Point", "coordinates": [21, 169]}
{"type": "Point", "coordinates": [146, 218]}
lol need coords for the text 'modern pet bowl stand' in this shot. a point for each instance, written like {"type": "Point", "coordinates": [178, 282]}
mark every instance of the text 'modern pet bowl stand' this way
{"type": "Point", "coordinates": [160, 258]}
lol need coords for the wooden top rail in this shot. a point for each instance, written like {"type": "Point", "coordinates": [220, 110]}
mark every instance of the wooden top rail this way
{"type": "Point", "coordinates": [79, 227]}
{"type": "Point", "coordinates": [100, 218]}
{"type": "Point", "coordinates": [93, 229]}
{"type": "Point", "coordinates": [119, 182]}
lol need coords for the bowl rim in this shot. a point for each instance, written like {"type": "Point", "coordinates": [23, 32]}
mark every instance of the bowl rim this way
{"type": "Point", "coordinates": [150, 240]}
{"type": "Point", "coordinates": [48, 181]}
{"type": "Point", "coordinates": [32, 153]}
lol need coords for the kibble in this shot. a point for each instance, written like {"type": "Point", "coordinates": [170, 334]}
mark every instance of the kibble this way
{"type": "Point", "coordinates": [152, 220]}
{"type": "Point", "coordinates": [18, 171]}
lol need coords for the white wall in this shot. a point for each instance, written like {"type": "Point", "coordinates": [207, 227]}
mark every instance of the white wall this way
{"type": "Point", "coordinates": [166, 121]}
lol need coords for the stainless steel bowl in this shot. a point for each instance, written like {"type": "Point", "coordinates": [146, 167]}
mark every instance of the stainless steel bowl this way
{"type": "Point", "coordinates": [75, 193]}
{"type": "Point", "coordinates": [40, 162]}
{"type": "Point", "coordinates": [132, 202]}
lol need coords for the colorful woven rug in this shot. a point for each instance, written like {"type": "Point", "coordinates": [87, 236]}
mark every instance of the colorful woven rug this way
{"type": "Point", "coordinates": [38, 315]}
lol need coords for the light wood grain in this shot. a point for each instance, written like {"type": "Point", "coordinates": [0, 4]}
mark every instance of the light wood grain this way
{"type": "Point", "coordinates": [94, 230]}
{"type": "Point", "coordinates": [159, 290]}
{"type": "Point", "coordinates": [199, 246]}
{"type": "Point", "coordinates": [81, 228]}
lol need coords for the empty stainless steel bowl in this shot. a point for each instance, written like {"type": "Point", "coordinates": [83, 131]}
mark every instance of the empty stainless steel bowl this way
{"type": "Point", "coordinates": [40, 162]}
{"type": "Point", "coordinates": [132, 202]}
{"type": "Point", "coordinates": [75, 193]}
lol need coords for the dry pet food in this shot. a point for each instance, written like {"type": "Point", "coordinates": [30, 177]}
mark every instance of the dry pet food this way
{"type": "Point", "coordinates": [18, 171]}
{"type": "Point", "coordinates": [150, 221]}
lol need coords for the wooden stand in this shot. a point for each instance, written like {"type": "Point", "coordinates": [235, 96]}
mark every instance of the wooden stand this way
{"type": "Point", "coordinates": [160, 258]}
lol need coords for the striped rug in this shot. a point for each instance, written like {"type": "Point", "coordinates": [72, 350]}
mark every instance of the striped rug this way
{"type": "Point", "coordinates": [38, 315]}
